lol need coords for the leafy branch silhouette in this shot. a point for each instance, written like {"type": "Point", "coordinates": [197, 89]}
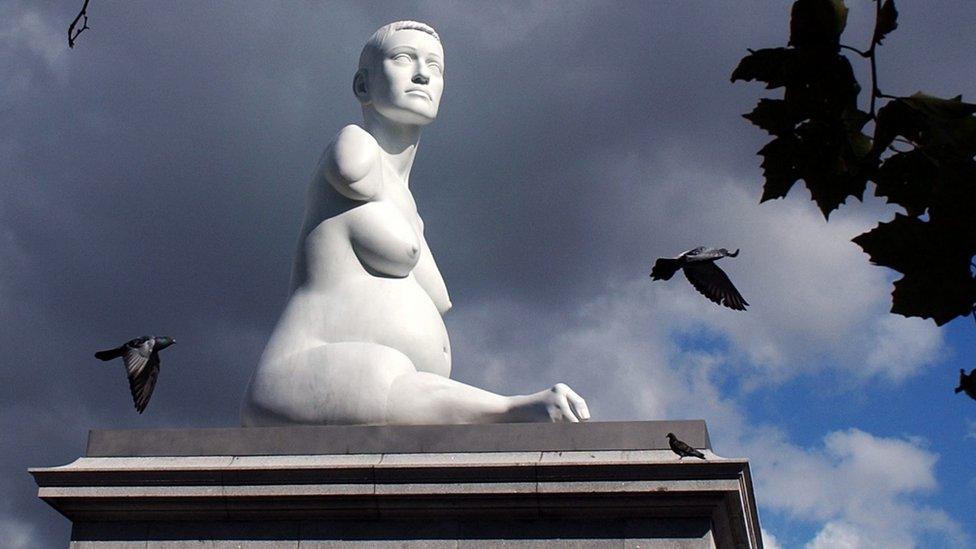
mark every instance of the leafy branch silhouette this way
{"type": "Point", "coordinates": [819, 136]}
{"type": "Point", "coordinates": [73, 32]}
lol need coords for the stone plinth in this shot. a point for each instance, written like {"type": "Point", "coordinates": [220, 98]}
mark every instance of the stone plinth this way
{"type": "Point", "coordinates": [611, 484]}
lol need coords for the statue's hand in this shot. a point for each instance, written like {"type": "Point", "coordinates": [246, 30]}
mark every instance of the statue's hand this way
{"type": "Point", "coordinates": [560, 403]}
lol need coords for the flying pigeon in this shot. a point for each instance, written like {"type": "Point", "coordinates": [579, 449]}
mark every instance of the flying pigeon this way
{"type": "Point", "coordinates": [141, 358]}
{"type": "Point", "coordinates": [967, 383]}
{"type": "Point", "coordinates": [682, 449]}
{"type": "Point", "coordinates": [700, 269]}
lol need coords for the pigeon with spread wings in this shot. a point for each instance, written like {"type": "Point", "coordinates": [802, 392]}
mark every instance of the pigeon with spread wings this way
{"type": "Point", "coordinates": [700, 269]}
{"type": "Point", "coordinates": [141, 358]}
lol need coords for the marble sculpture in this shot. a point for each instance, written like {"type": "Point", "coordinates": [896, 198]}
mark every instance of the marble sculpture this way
{"type": "Point", "coordinates": [361, 339]}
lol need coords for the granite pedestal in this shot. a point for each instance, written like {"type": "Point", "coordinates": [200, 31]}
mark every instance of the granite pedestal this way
{"type": "Point", "coordinates": [609, 484]}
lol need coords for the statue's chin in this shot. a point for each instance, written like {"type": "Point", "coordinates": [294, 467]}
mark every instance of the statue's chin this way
{"type": "Point", "coordinates": [408, 116]}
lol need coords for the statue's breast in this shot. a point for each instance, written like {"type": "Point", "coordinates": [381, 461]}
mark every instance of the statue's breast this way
{"type": "Point", "coordinates": [383, 239]}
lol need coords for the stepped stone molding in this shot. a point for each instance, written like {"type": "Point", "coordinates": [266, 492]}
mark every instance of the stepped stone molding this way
{"type": "Point", "coordinates": [480, 486]}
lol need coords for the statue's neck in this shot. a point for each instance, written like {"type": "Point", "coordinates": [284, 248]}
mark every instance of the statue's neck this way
{"type": "Point", "coordinates": [397, 141]}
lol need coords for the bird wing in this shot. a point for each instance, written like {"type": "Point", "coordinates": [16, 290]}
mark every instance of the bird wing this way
{"type": "Point", "coordinates": [143, 386]}
{"type": "Point", "coordinates": [714, 284]}
{"type": "Point", "coordinates": [664, 268]}
{"type": "Point", "coordinates": [142, 369]}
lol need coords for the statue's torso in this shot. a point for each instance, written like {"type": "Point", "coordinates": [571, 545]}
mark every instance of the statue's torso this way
{"type": "Point", "coordinates": [355, 282]}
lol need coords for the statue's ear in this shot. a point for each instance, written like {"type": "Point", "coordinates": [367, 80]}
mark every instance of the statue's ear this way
{"type": "Point", "coordinates": [359, 86]}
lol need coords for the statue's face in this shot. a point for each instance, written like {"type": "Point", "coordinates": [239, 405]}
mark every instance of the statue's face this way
{"type": "Point", "coordinates": [406, 87]}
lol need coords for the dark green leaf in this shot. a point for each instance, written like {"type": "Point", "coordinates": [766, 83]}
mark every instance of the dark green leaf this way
{"type": "Point", "coordinates": [887, 21]}
{"type": "Point", "coordinates": [772, 115]}
{"type": "Point", "coordinates": [947, 109]}
{"type": "Point", "coordinates": [779, 167]}
{"type": "Point", "coordinates": [817, 24]}
{"type": "Point", "coordinates": [905, 244]}
{"type": "Point", "coordinates": [907, 179]}
{"type": "Point", "coordinates": [770, 65]}
{"type": "Point", "coordinates": [928, 295]}
{"type": "Point", "coordinates": [821, 85]}
{"type": "Point", "coordinates": [830, 162]}
{"type": "Point", "coordinates": [928, 121]}
{"type": "Point", "coordinates": [953, 198]}
{"type": "Point", "coordinates": [818, 137]}
{"type": "Point", "coordinates": [893, 119]}
{"type": "Point", "coordinates": [935, 260]}
{"type": "Point", "coordinates": [830, 191]}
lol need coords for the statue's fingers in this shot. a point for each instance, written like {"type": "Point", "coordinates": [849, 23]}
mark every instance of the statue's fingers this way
{"type": "Point", "coordinates": [579, 405]}
{"type": "Point", "coordinates": [566, 410]}
{"type": "Point", "coordinates": [576, 402]}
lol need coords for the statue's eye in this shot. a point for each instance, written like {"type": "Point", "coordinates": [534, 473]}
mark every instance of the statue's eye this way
{"type": "Point", "coordinates": [435, 68]}
{"type": "Point", "coordinates": [402, 58]}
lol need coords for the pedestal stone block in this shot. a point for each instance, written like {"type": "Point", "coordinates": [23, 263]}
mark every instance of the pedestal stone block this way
{"type": "Point", "coordinates": [612, 484]}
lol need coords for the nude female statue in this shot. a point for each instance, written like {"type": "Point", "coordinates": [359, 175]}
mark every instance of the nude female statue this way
{"type": "Point", "coordinates": [361, 340]}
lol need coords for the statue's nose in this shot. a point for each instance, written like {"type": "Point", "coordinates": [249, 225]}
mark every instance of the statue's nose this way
{"type": "Point", "coordinates": [420, 79]}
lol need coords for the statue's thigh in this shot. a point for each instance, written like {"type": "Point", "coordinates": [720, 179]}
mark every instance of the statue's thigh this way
{"type": "Point", "coordinates": [334, 383]}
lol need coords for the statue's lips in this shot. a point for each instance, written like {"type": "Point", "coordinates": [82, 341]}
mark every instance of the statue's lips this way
{"type": "Point", "coordinates": [420, 92]}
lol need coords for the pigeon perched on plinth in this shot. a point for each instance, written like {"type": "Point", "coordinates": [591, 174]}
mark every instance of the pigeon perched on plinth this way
{"type": "Point", "coordinates": [682, 449]}
{"type": "Point", "coordinates": [700, 269]}
{"type": "Point", "coordinates": [141, 358]}
{"type": "Point", "coordinates": [967, 383]}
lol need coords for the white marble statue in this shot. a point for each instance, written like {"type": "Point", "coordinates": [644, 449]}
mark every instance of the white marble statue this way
{"type": "Point", "coordinates": [361, 340]}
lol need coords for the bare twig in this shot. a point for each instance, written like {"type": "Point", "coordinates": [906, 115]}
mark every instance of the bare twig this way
{"type": "Point", "coordinates": [875, 92]}
{"type": "Point", "coordinates": [72, 31]}
{"type": "Point", "coordinates": [855, 50]}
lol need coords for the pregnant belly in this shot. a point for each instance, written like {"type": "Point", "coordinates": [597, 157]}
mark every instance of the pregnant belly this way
{"type": "Point", "coordinates": [393, 312]}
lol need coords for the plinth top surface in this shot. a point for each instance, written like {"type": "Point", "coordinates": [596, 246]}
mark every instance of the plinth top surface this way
{"type": "Point", "coordinates": [397, 439]}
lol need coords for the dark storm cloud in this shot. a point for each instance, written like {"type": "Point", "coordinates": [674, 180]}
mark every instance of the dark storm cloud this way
{"type": "Point", "coordinates": [154, 176]}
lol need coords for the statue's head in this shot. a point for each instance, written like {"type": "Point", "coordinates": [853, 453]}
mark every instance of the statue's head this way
{"type": "Point", "coordinates": [401, 73]}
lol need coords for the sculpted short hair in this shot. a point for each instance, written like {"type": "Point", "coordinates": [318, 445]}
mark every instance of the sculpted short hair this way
{"type": "Point", "coordinates": [374, 45]}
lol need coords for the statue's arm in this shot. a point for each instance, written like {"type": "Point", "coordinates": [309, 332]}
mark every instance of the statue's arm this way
{"type": "Point", "coordinates": [351, 164]}
{"type": "Point", "coordinates": [421, 398]}
{"type": "Point", "coordinates": [429, 276]}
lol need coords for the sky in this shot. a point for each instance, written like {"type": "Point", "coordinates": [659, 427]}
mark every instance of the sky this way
{"type": "Point", "coordinates": [153, 182]}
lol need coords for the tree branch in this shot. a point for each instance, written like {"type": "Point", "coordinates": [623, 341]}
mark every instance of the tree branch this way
{"type": "Point", "coordinates": [855, 50]}
{"type": "Point", "coordinates": [72, 31]}
{"type": "Point", "coordinates": [875, 92]}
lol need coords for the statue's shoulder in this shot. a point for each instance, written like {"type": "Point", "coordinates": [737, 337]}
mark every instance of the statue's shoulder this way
{"type": "Point", "coordinates": [350, 162]}
{"type": "Point", "coordinates": [356, 137]}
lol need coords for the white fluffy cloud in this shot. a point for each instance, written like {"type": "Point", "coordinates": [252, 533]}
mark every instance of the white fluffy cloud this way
{"type": "Point", "coordinates": [814, 295]}
{"type": "Point", "coordinates": [769, 540]}
{"type": "Point", "coordinates": [502, 25]}
{"type": "Point", "coordinates": [25, 31]}
{"type": "Point", "coordinates": [16, 534]}
{"type": "Point", "coordinates": [859, 486]}
{"type": "Point", "coordinates": [837, 535]}
{"type": "Point", "coordinates": [816, 301]}
{"type": "Point", "coordinates": [655, 350]}
{"type": "Point", "coordinates": [862, 488]}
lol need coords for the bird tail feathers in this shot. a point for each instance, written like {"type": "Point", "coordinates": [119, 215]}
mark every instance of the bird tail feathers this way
{"type": "Point", "coordinates": [109, 354]}
{"type": "Point", "coordinates": [665, 268]}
